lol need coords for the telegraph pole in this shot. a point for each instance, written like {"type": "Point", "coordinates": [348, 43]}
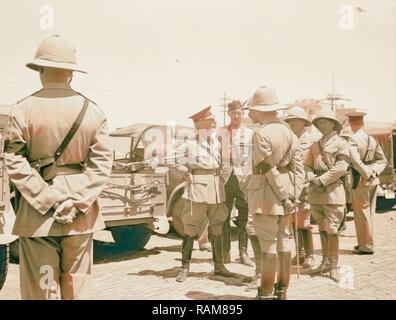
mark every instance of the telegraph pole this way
{"type": "Point", "coordinates": [224, 99]}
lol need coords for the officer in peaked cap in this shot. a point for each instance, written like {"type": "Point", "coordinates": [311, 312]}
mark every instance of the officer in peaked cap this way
{"type": "Point", "coordinates": [204, 194]}
{"type": "Point", "coordinates": [57, 204]}
{"type": "Point", "coordinates": [367, 164]}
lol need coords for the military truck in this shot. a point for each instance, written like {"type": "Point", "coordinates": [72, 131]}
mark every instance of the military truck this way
{"type": "Point", "coordinates": [7, 215]}
{"type": "Point", "coordinates": [385, 134]}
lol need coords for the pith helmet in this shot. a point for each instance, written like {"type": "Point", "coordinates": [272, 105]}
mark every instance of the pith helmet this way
{"type": "Point", "coordinates": [329, 115]}
{"type": "Point", "coordinates": [265, 99]}
{"type": "Point", "coordinates": [297, 113]}
{"type": "Point", "coordinates": [55, 52]}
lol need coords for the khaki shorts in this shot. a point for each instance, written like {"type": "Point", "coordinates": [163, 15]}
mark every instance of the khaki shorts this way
{"type": "Point", "coordinates": [328, 216]}
{"type": "Point", "coordinates": [303, 216]}
{"type": "Point", "coordinates": [272, 232]}
{"type": "Point", "coordinates": [196, 214]}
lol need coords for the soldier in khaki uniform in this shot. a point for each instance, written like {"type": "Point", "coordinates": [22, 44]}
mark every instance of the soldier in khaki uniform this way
{"type": "Point", "coordinates": [367, 164]}
{"type": "Point", "coordinates": [277, 181]}
{"type": "Point", "coordinates": [235, 139]}
{"type": "Point", "coordinates": [326, 166]}
{"type": "Point", "coordinates": [58, 210]}
{"type": "Point", "coordinates": [298, 121]}
{"type": "Point", "coordinates": [204, 192]}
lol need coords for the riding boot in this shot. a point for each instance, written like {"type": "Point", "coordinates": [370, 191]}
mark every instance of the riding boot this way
{"type": "Point", "coordinates": [308, 248]}
{"type": "Point", "coordinates": [325, 264]}
{"type": "Point", "coordinates": [333, 254]}
{"type": "Point", "coordinates": [188, 244]}
{"type": "Point", "coordinates": [283, 277]}
{"type": "Point", "coordinates": [268, 272]}
{"type": "Point", "coordinates": [219, 268]}
{"type": "Point", "coordinates": [226, 242]}
{"type": "Point", "coordinates": [255, 284]}
{"type": "Point", "coordinates": [301, 252]}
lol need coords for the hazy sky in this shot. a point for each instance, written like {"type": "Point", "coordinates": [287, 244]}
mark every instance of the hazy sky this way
{"type": "Point", "coordinates": [163, 60]}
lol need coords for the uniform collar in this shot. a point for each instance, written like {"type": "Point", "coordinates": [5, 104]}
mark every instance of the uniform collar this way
{"type": "Point", "coordinates": [57, 85]}
{"type": "Point", "coordinates": [327, 138]}
{"type": "Point", "coordinates": [273, 120]}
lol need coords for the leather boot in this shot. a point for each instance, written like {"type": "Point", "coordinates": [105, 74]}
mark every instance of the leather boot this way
{"type": "Point", "coordinates": [256, 281]}
{"type": "Point", "coordinates": [333, 253]}
{"type": "Point", "coordinates": [308, 248]}
{"type": "Point", "coordinates": [325, 264]}
{"type": "Point", "coordinates": [188, 244]}
{"type": "Point", "coordinates": [283, 277]}
{"type": "Point", "coordinates": [243, 244]}
{"type": "Point", "coordinates": [301, 252]}
{"type": "Point", "coordinates": [219, 268]}
{"type": "Point", "coordinates": [268, 273]}
{"type": "Point", "coordinates": [226, 242]}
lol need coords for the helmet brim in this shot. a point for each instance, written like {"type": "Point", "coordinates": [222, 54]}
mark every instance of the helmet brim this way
{"type": "Point", "coordinates": [38, 63]}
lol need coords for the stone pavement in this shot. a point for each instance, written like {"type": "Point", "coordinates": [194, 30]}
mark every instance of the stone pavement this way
{"type": "Point", "coordinates": [150, 274]}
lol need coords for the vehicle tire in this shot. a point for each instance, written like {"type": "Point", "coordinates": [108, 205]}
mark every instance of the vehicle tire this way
{"type": "Point", "coordinates": [4, 258]}
{"type": "Point", "coordinates": [133, 237]}
{"type": "Point", "coordinates": [384, 205]}
{"type": "Point", "coordinates": [176, 214]}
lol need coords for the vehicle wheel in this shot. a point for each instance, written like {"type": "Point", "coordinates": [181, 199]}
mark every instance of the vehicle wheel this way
{"type": "Point", "coordinates": [4, 257]}
{"type": "Point", "coordinates": [133, 237]}
{"type": "Point", "coordinates": [384, 205]}
{"type": "Point", "coordinates": [176, 214]}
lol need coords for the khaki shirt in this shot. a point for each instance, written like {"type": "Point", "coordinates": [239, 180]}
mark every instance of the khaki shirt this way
{"type": "Point", "coordinates": [336, 151]}
{"type": "Point", "coordinates": [306, 140]}
{"type": "Point", "coordinates": [236, 152]}
{"type": "Point", "coordinates": [199, 154]}
{"type": "Point", "coordinates": [38, 125]}
{"type": "Point", "coordinates": [275, 144]}
{"type": "Point", "coordinates": [367, 158]}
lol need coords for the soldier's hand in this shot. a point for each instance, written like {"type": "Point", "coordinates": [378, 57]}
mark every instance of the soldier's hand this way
{"type": "Point", "coordinates": [287, 204]}
{"type": "Point", "coordinates": [316, 181]}
{"type": "Point", "coordinates": [66, 212]}
{"type": "Point", "coordinates": [188, 178]}
{"type": "Point", "coordinates": [310, 176]}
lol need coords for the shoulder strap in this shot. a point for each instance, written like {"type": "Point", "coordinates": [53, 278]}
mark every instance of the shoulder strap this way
{"type": "Point", "coordinates": [290, 145]}
{"type": "Point", "coordinates": [323, 156]}
{"type": "Point", "coordinates": [72, 130]}
{"type": "Point", "coordinates": [367, 149]}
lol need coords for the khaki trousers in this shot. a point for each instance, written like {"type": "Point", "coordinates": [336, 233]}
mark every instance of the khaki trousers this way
{"type": "Point", "coordinates": [56, 267]}
{"type": "Point", "coordinates": [195, 215]}
{"type": "Point", "coordinates": [364, 200]}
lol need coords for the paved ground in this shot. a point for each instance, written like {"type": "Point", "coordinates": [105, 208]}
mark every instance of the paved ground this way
{"type": "Point", "coordinates": [150, 274]}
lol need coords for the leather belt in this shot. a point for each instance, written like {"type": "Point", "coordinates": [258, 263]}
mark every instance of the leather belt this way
{"type": "Point", "coordinates": [258, 171]}
{"type": "Point", "coordinates": [319, 172]}
{"type": "Point", "coordinates": [214, 172]}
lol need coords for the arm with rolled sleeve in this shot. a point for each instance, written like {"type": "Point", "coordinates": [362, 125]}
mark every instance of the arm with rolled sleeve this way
{"type": "Point", "coordinates": [27, 180]}
{"type": "Point", "coordinates": [98, 170]}
{"type": "Point", "coordinates": [339, 168]}
{"type": "Point", "coordinates": [380, 161]}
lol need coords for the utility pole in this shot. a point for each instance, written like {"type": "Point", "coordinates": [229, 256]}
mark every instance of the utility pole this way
{"type": "Point", "coordinates": [333, 98]}
{"type": "Point", "coordinates": [224, 99]}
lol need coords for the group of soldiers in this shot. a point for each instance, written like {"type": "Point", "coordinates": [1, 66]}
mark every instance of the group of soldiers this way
{"type": "Point", "coordinates": [278, 174]}
{"type": "Point", "coordinates": [58, 156]}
